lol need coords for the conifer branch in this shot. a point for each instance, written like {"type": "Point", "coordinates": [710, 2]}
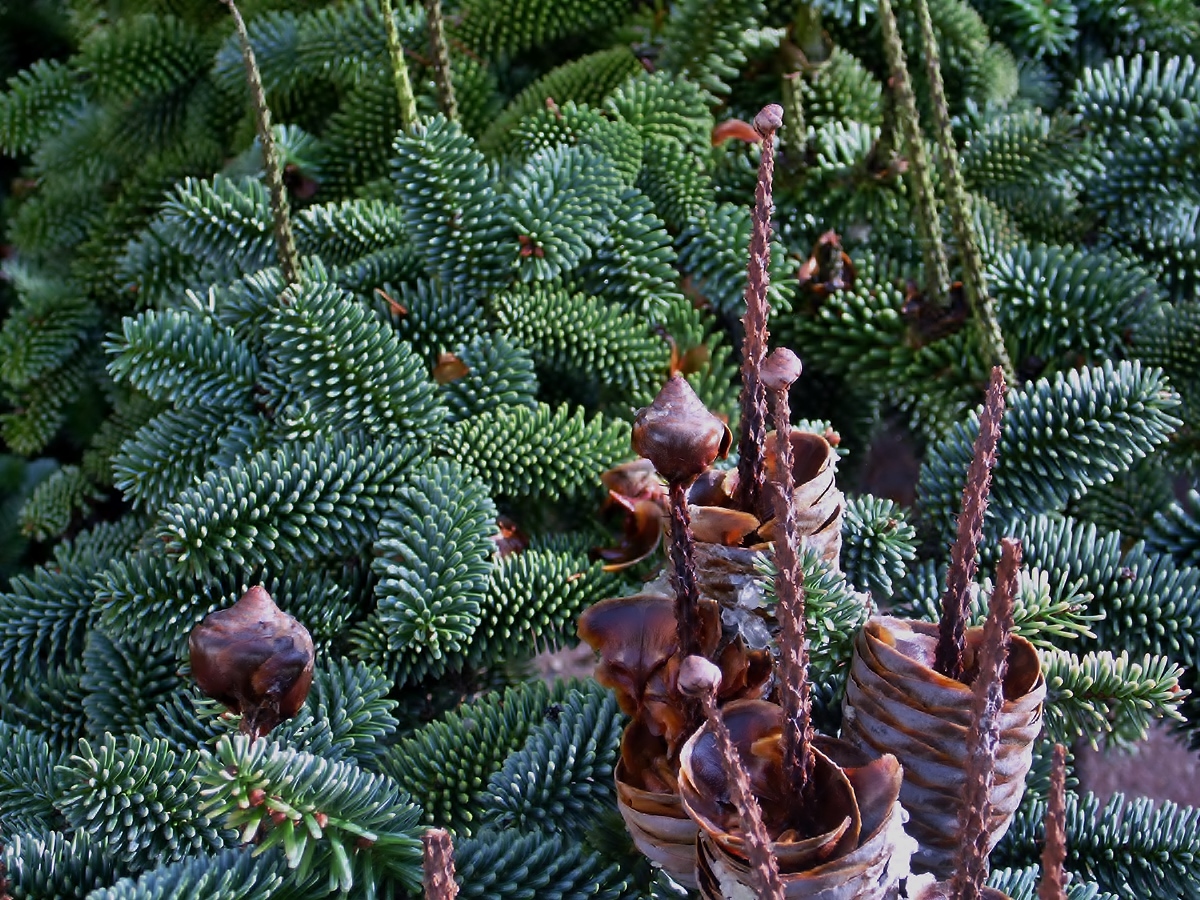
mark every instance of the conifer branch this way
{"type": "Point", "coordinates": [780, 371]}
{"type": "Point", "coordinates": [984, 737]}
{"type": "Point", "coordinates": [439, 865]}
{"type": "Point", "coordinates": [285, 242]}
{"type": "Point", "coordinates": [404, 91]}
{"type": "Point", "coordinates": [700, 679]}
{"type": "Point", "coordinates": [953, 624]}
{"type": "Point", "coordinates": [751, 468]}
{"type": "Point", "coordinates": [1054, 854]}
{"type": "Point", "coordinates": [441, 58]}
{"type": "Point", "coordinates": [974, 278]}
{"type": "Point", "coordinates": [937, 270]}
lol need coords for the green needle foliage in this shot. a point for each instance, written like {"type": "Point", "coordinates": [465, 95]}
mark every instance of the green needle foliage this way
{"type": "Point", "coordinates": [405, 445]}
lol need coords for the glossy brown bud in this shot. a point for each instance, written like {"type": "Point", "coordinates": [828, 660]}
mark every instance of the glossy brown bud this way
{"type": "Point", "coordinates": [781, 369]}
{"type": "Point", "coordinates": [678, 434]}
{"type": "Point", "coordinates": [255, 659]}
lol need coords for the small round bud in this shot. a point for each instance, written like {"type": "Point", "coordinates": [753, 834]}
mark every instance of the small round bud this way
{"type": "Point", "coordinates": [698, 677]}
{"type": "Point", "coordinates": [255, 659]}
{"type": "Point", "coordinates": [678, 435]}
{"type": "Point", "coordinates": [781, 369]}
{"type": "Point", "coordinates": [769, 119]}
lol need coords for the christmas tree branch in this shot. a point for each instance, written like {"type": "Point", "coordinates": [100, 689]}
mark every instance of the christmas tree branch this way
{"type": "Point", "coordinates": [937, 270]}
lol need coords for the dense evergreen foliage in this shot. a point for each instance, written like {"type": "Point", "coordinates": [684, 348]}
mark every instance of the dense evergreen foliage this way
{"type": "Point", "coordinates": [404, 443]}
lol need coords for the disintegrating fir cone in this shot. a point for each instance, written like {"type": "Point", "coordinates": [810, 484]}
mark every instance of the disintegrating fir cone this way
{"type": "Point", "coordinates": [255, 659]}
{"type": "Point", "coordinates": [678, 434]}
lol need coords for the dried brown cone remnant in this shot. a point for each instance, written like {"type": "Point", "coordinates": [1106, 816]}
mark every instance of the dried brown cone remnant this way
{"type": "Point", "coordinates": [441, 58]}
{"type": "Point", "coordinates": [285, 242]}
{"type": "Point", "coordinates": [700, 679]}
{"type": "Point", "coordinates": [1054, 855]}
{"type": "Point", "coordinates": [974, 279]}
{"type": "Point", "coordinates": [779, 372]}
{"type": "Point", "coordinates": [982, 741]}
{"type": "Point", "coordinates": [682, 439]}
{"type": "Point", "coordinates": [952, 628]}
{"type": "Point", "coordinates": [937, 270]}
{"type": "Point", "coordinates": [751, 447]}
{"type": "Point", "coordinates": [439, 865]}
{"type": "Point", "coordinates": [255, 659]}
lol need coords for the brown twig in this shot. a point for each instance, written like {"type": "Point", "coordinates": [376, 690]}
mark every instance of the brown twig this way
{"type": "Point", "coordinates": [404, 92]}
{"type": "Point", "coordinates": [699, 678]}
{"type": "Point", "coordinates": [439, 865]}
{"type": "Point", "coordinates": [984, 736]}
{"type": "Point", "coordinates": [285, 242]}
{"type": "Point", "coordinates": [441, 58]}
{"type": "Point", "coordinates": [952, 628]}
{"type": "Point", "coordinates": [683, 567]}
{"type": "Point", "coordinates": [782, 368]}
{"type": "Point", "coordinates": [1054, 855]}
{"type": "Point", "coordinates": [937, 270]}
{"type": "Point", "coordinates": [751, 468]}
{"type": "Point", "coordinates": [974, 279]}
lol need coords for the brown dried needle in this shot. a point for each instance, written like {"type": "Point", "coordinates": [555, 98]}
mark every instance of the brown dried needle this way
{"type": "Point", "coordinates": [700, 679]}
{"type": "Point", "coordinates": [984, 737]}
{"type": "Point", "coordinates": [780, 371]}
{"type": "Point", "coordinates": [953, 625]}
{"type": "Point", "coordinates": [1054, 855]}
{"type": "Point", "coordinates": [751, 447]}
{"type": "Point", "coordinates": [285, 242]}
{"type": "Point", "coordinates": [439, 865]}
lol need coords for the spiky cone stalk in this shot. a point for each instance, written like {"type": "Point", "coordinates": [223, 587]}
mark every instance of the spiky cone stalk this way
{"type": "Point", "coordinates": [974, 836]}
{"type": "Point", "coordinates": [405, 98]}
{"type": "Point", "coordinates": [439, 865]}
{"type": "Point", "coordinates": [441, 58]}
{"type": "Point", "coordinates": [285, 242]}
{"type": "Point", "coordinates": [780, 371]}
{"type": "Point", "coordinates": [966, 745]}
{"type": "Point", "coordinates": [849, 846]}
{"type": "Point", "coordinates": [970, 530]}
{"type": "Point", "coordinates": [752, 445]}
{"type": "Point", "coordinates": [1054, 854]}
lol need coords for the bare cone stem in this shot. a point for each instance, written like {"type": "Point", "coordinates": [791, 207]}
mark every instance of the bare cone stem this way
{"type": "Point", "coordinates": [285, 242]}
{"type": "Point", "coordinates": [974, 279]}
{"type": "Point", "coordinates": [441, 58]}
{"type": "Point", "coordinates": [795, 690]}
{"type": "Point", "coordinates": [953, 625]}
{"type": "Point", "coordinates": [1054, 855]}
{"type": "Point", "coordinates": [984, 736]}
{"type": "Point", "coordinates": [404, 91]}
{"type": "Point", "coordinates": [699, 678]}
{"type": "Point", "coordinates": [937, 270]}
{"type": "Point", "coordinates": [683, 566]}
{"type": "Point", "coordinates": [751, 465]}
{"type": "Point", "coordinates": [439, 865]}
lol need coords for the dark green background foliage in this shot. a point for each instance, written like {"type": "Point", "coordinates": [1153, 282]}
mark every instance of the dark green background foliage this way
{"type": "Point", "coordinates": [181, 424]}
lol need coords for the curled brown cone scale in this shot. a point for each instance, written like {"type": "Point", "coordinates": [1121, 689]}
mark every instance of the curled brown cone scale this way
{"type": "Point", "coordinates": [255, 659]}
{"type": "Point", "coordinates": [678, 434]}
